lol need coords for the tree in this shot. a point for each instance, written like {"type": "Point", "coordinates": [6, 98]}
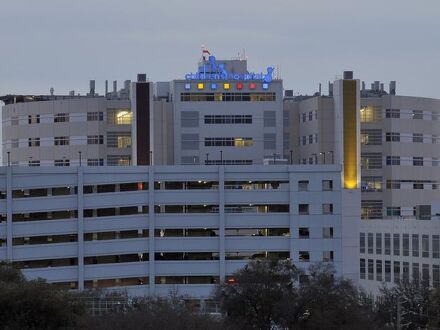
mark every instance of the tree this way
{"type": "Point", "coordinates": [434, 309]}
{"type": "Point", "coordinates": [251, 300]}
{"type": "Point", "coordinates": [34, 304]}
{"type": "Point", "coordinates": [405, 305]}
{"type": "Point", "coordinates": [269, 294]}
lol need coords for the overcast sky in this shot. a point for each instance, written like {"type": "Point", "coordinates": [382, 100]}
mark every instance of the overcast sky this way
{"type": "Point", "coordinates": [65, 43]}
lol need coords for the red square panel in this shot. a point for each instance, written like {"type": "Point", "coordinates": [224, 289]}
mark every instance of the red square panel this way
{"type": "Point", "coordinates": [252, 86]}
{"type": "Point", "coordinates": [239, 85]}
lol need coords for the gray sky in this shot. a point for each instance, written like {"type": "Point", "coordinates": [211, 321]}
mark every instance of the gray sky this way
{"type": "Point", "coordinates": [65, 43]}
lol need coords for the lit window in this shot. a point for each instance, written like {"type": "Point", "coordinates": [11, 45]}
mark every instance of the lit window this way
{"type": "Point", "coordinates": [200, 86]}
{"type": "Point", "coordinates": [252, 86]}
{"type": "Point", "coordinates": [226, 86]}
{"type": "Point", "coordinates": [213, 86]}
{"type": "Point", "coordinates": [187, 86]}
{"type": "Point", "coordinates": [239, 86]}
{"type": "Point", "coordinates": [265, 86]}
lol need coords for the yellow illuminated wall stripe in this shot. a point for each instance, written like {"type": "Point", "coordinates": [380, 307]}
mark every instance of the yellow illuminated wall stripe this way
{"type": "Point", "coordinates": [350, 135]}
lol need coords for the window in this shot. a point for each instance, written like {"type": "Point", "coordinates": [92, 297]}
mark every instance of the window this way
{"type": "Point", "coordinates": [371, 136]}
{"type": "Point", "coordinates": [393, 160]}
{"type": "Point", "coordinates": [327, 232]}
{"type": "Point", "coordinates": [327, 256]}
{"type": "Point", "coordinates": [327, 208]}
{"type": "Point", "coordinates": [61, 140]}
{"type": "Point", "coordinates": [362, 242]}
{"type": "Point", "coordinates": [303, 185]}
{"type": "Point", "coordinates": [370, 241]}
{"type": "Point", "coordinates": [378, 243]}
{"type": "Point", "coordinates": [95, 139]}
{"type": "Point", "coordinates": [303, 209]}
{"type": "Point", "coordinates": [370, 114]}
{"type": "Point", "coordinates": [393, 211]}
{"type": "Point", "coordinates": [371, 184]}
{"type": "Point", "coordinates": [370, 269]}
{"type": "Point", "coordinates": [436, 276]}
{"type": "Point", "coordinates": [61, 117]}
{"type": "Point", "coordinates": [304, 117]}
{"type": "Point", "coordinates": [95, 116]}
{"type": "Point", "coordinates": [118, 160]}
{"type": "Point", "coordinates": [415, 245]}
{"type": "Point", "coordinates": [327, 185]}
{"type": "Point", "coordinates": [304, 256]}
{"type": "Point", "coordinates": [396, 271]}
{"type": "Point", "coordinates": [405, 243]}
{"type": "Point", "coordinates": [392, 137]}
{"type": "Point", "coordinates": [119, 139]}
{"type": "Point", "coordinates": [418, 185]}
{"type": "Point", "coordinates": [393, 184]}
{"type": "Point", "coordinates": [269, 141]}
{"type": "Point", "coordinates": [425, 246]}
{"type": "Point", "coordinates": [315, 137]}
{"type": "Point", "coordinates": [415, 272]}
{"type": "Point", "coordinates": [436, 246]}
{"type": "Point", "coordinates": [310, 116]}
{"type": "Point", "coordinates": [387, 271]}
{"type": "Point", "coordinates": [310, 138]}
{"type": "Point", "coordinates": [95, 162]}
{"type": "Point", "coordinates": [405, 271]}
{"type": "Point", "coordinates": [227, 97]}
{"type": "Point", "coordinates": [34, 142]}
{"type": "Point", "coordinates": [417, 114]}
{"type": "Point", "coordinates": [392, 113]}
{"type": "Point", "coordinates": [417, 138]}
{"type": "Point", "coordinates": [119, 116]}
{"type": "Point", "coordinates": [61, 162]}
{"type": "Point", "coordinates": [316, 114]}
{"type": "Point", "coordinates": [425, 273]}
{"type": "Point", "coordinates": [34, 163]}
{"type": "Point", "coordinates": [371, 209]}
{"type": "Point", "coordinates": [222, 141]}
{"type": "Point", "coordinates": [371, 160]}
{"type": "Point", "coordinates": [228, 119]}
{"type": "Point", "coordinates": [304, 140]}
{"type": "Point", "coordinates": [362, 268]}
{"type": "Point", "coordinates": [387, 244]}
{"type": "Point", "coordinates": [417, 161]}
{"type": "Point", "coordinates": [379, 270]}
{"type": "Point", "coordinates": [33, 119]}
{"type": "Point", "coordinates": [303, 232]}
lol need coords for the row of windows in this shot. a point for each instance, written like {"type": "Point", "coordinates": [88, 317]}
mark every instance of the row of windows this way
{"type": "Point", "coordinates": [229, 142]}
{"type": "Point", "coordinates": [414, 137]}
{"type": "Point", "coordinates": [374, 160]}
{"type": "Point", "coordinates": [228, 97]}
{"type": "Point", "coordinates": [59, 118]}
{"type": "Point", "coordinates": [376, 184]}
{"type": "Point", "coordinates": [228, 119]}
{"type": "Point", "coordinates": [308, 139]}
{"type": "Point", "coordinates": [303, 209]}
{"type": "Point", "coordinates": [401, 271]}
{"type": "Point", "coordinates": [373, 243]}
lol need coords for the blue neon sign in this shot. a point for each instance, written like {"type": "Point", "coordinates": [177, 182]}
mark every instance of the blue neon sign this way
{"type": "Point", "coordinates": [217, 71]}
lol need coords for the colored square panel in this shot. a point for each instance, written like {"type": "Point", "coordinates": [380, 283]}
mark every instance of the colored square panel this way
{"type": "Point", "coordinates": [213, 86]}
{"type": "Point", "coordinates": [226, 86]}
{"type": "Point", "coordinates": [187, 86]}
{"type": "Point", "coordinates": [265, 86]}
{"type": "Point", "coordinates": [252, 85]}
{"type": "Point", "coordinates": [200, 85]}
{"type": "Point", "coordinates": [239, 86]}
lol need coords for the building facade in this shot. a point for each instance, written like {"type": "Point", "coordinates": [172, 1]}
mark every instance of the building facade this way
{"type": "Point", "coordinates": [153, 229]}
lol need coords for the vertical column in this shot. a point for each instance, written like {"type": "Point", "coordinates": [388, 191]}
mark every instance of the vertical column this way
{"type": "Point", "coordinates": [80, 211]}
{"type": "Point", "coordinates": [221, 221]}
{"type": "Point", "coordinates": [9, 213]}
{"type": "Point", "coordinates": [151, 227]}
{"type": "Point", "coordinates": [293, 232]}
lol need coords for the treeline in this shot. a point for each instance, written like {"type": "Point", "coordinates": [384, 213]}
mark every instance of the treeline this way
{"type": "Point", "coordinates": [264, 295]}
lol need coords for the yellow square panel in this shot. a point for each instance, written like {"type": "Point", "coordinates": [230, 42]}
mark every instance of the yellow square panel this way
{"type": "Point", "coordinates": [200, 86]}
{"type": "Point", "coordinates": [226, 86]}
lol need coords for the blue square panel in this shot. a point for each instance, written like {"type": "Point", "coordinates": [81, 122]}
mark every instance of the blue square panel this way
{"type": "Point", "coordinates": [265, 86]}
{"type": "Point", "coordinates": [213, 86]}
{"type": "Point", "coordinates": [187, 86]}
